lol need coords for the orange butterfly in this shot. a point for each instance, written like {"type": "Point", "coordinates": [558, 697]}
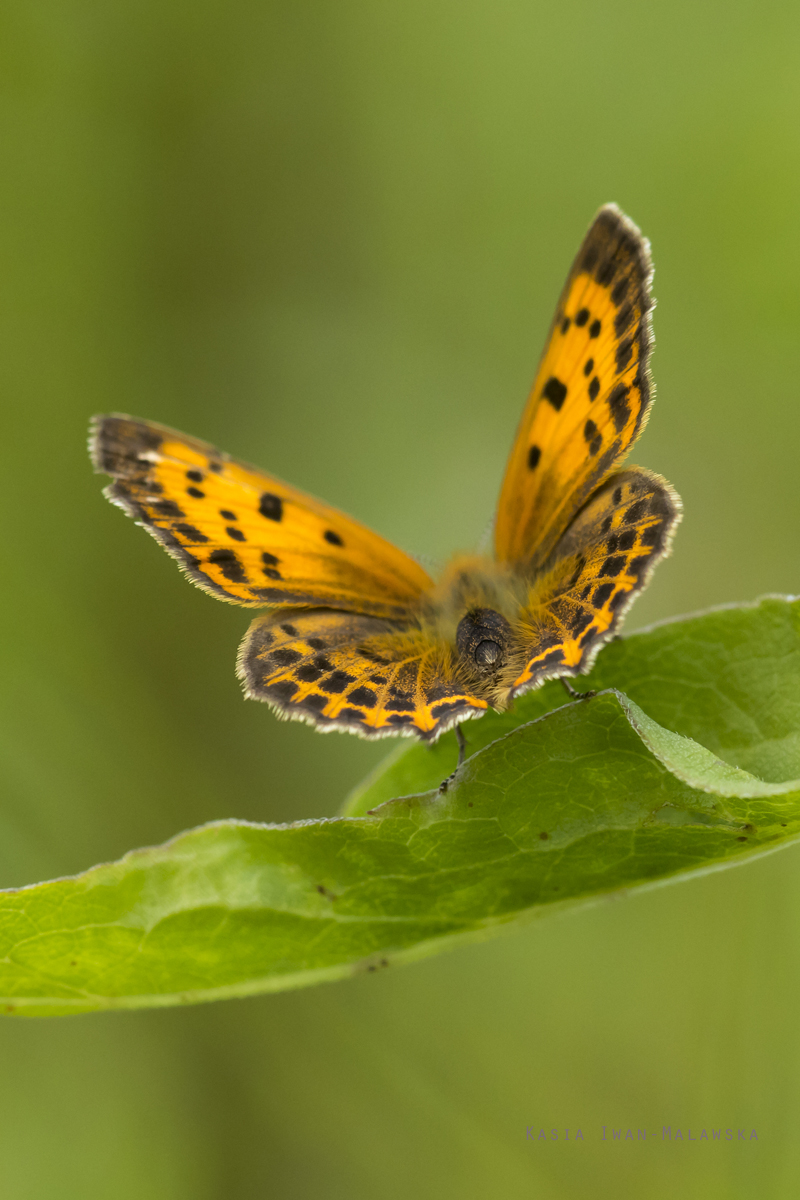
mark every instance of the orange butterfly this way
{"type": "Point", "coordinates": [358, 636]}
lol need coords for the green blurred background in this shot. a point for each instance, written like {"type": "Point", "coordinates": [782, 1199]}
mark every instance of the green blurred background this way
{"type": "Point", "coordinates": [329, 238]}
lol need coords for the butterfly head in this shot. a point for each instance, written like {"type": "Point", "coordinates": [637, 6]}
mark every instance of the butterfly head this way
{"type": "Point", "coordinates": [483, 640]}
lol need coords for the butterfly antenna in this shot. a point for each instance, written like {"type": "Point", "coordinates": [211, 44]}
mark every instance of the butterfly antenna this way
{"type": "Point", "coordinates": [485, 540]}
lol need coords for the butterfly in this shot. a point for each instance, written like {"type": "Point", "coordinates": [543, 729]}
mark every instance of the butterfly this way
{"type": "Point", "coordinates": [357, 635]}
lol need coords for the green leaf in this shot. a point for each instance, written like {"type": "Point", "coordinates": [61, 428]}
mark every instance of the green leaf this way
{"type": "Point", "coordinates": [696, 767]}
{"type": "Point", "coordinates": [729, 678]}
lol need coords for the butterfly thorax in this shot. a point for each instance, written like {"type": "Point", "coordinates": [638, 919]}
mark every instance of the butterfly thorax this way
{"type": "Point", "coordinates": [473, 613]}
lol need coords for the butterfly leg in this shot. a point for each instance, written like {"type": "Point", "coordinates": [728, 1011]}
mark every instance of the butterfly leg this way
{"type": "Point", "coordinates": [462, 745]}
{"type": "Point", "coordinates": [462, 754]}
{"type": "Point", "coordinates": [574, 694]}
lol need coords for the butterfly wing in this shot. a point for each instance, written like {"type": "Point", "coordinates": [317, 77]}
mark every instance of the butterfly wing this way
{"type": "Point", "coordinates": [591, 394]}
{"type": "Point", "coordinates": [245, 536]}
{"type": "Point", "coordinates": [602, 562]}
{"type": "Point", "coordinates": [345, 671]}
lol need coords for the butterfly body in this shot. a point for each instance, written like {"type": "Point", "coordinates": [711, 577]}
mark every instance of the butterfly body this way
{"type": "Point", "coordinates": [357, 634]}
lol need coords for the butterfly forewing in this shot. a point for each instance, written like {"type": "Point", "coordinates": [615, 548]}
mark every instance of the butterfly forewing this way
{"type": "Point", "coordinates": [601, 563]}
{"type": "Point", "coordinates": [359, 638]}
{"type": "Point", "coordinates": [245, 536]}
{"type": "Point", "coordinates": [590, 396]}
{"type": "Point", "coordinates": [339, 670]}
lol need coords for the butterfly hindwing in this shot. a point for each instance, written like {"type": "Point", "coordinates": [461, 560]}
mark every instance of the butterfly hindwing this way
{"type": "Point", "coordinates": [591, 394]}
{"type": "Point", "coordinates": [339, 670]}
{"type": "Point", "coordinates": [601, 564]}
{"type": "Point", "coordinates": [245, 536]}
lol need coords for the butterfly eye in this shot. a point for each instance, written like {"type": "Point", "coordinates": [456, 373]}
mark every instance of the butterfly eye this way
{"type": "Point", "coordinates": [487, 653]}
{"type": "Point", "coordinates": [483, 637]}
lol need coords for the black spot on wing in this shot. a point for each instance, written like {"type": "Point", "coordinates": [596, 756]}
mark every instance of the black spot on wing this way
{"type": "Point", "coordinates": [445, 708]}
{"type": "Point", "coordinates": [282, 691]}
{"type": "Point", "coordinates": [555, 391]}
{"type": "Point", "coordinates": [606, 272]}
{"type": "Point", "coordinates": [191, 533]}
{"type": "Point", "coordinates": [229, 565]}
{"type": "Point", "coordinates": [594, 388]}
{"type": "Point", "coordinates": [602, 594]}
{"type": "Point", "coordinates": [168, 508]}
{"type": "Point", "coordinates": [592, 436]}
{"type": "Point", "coordinates": [269, 559]}
{"type": "Point", "coordinates": [623, 320]}
{"type": "Point", "coordinates": [235, 533]}
{"type": "Point", "coordinates": [620, 291]}
{"type": "Point", "coordinates": [577, 626]}
{"type": "Point", "coordinates": [284, 657]}
{"type": "Point", "coordinates": [582, 317]}
{"type": "Point", "coordinates": [333, 538]}
{"type": "Point", "coordinates": [534, 454]}
{"type": "Point", "coordinates": [624, 354]}
{"type": "Point", "coordinates": [653, 536]}
{"type": "Point", "coordinates": [308, 673]}
{"type": "Point", "coordinates": [619, 407]}
{"type": "Point", "coordinates": [613, 565]}
{"type": "Point", "coordinates": [338, 681]}
{"type": "Point", "coordinates": [271, 506]}
{"type": "Point", "coordinates": [400, 704]}
{"type": "Point", "coordinates": [594, 329]}
{"type": "Point", "coordinates": [588, 367]}
{"type": "Point", "coordinates": [637, 511]}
